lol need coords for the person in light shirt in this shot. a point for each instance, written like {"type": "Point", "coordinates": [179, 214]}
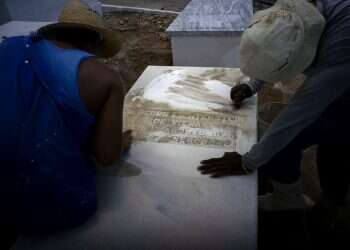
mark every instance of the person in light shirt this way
{"type": "Point", "coordinates": [292, 37]}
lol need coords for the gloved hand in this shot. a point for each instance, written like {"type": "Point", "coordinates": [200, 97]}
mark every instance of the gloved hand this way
{"type": "Point", "coordinates": [228, 165]}
{"type": "Point", "coordinates": [239, 93]}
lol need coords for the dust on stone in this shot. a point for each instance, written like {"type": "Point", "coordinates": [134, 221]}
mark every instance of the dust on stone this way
{"type": "Point", "coordinates": [206, 121]}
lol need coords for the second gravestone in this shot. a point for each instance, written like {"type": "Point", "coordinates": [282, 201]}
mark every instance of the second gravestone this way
{"type": "Point", "coordinates": [208, 32]}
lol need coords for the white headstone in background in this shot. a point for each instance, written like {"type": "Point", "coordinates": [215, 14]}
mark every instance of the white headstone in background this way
{"type": "Point", "coordinates": [208, 32]}
{"type": "Point", "coordinates": [23, 17]}
{"type": "Point", "coordinates": [156, 199]}
{"type": "Point", "coordinates": [41, 10]}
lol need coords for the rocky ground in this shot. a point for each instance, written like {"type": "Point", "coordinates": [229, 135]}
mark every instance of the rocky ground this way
{"type": "Point", "coordinates": [144, 42]}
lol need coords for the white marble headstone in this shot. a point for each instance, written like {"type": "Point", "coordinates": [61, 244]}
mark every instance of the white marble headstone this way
{"type": "Point", "coordinates": [207, 16]}
{"type": "Point", "coordinates": [208, 33]}
{"type": "Point", "coordinates": [190, 106]}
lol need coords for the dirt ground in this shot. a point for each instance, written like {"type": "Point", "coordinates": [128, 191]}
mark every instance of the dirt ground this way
{"type": "Point", "coordinates": [144, 42]}
{"type": "Point", "coordinates": [173, 5]}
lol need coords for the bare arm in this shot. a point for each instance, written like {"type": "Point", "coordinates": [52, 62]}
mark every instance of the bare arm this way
{"type": "Point", "coordinates": [103, 96]}
{"type": "Point", "coordinates": [108, 136]}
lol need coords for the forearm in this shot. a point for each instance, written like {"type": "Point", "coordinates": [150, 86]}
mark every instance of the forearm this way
{"type": "Point", "coordinates": [108, 134]}
{"type": "Point", "coordinates": [311, 100]}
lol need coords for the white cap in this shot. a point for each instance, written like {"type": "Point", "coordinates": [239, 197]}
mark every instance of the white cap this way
{"type": "Point", "coordinates": [281, 41]}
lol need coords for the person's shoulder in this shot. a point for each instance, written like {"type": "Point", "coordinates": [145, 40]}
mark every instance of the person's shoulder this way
{"type": "Point", "coordinates": [93, 70]}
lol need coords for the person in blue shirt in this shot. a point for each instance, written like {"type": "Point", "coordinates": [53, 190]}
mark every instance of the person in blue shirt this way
{"type": "Point", "coordinates": [61, 112]}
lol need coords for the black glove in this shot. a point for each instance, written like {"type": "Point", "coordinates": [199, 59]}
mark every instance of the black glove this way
{"type": "Point", "coordinates": [239, 93]}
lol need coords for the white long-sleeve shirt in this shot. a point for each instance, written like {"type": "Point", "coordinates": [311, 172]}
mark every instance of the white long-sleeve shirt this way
{"type": "Point", "coordinates": [327, 81]}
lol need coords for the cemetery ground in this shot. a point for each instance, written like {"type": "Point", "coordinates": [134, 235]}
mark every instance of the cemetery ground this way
{"type": "Point", "coordinates": [145, 42]}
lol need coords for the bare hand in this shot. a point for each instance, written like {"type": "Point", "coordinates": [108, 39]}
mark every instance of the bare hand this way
{"type": "Point", "coordinates": [239, 93]}
{"type": "Point", "coordinates": [127, 140]}
{"type": "Point", "coordinates": [228, 165]}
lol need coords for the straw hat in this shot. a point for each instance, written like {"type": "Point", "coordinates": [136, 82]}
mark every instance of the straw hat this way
{"type": "Point", "coordinates": [281, 41]}
{"type": "Point", "coordinates": [77, 14]}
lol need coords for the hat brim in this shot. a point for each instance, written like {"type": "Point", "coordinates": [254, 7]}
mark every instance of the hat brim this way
{"type": "Point", "coordinates": [109, 46]}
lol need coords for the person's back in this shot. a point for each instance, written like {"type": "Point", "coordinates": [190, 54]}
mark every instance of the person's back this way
{"type": "Point", "coordinates": [61, 109]}
{"type": "Point", "coordinates": [334, 46]}
{"type": "Point", "coordinates": [45, 134]}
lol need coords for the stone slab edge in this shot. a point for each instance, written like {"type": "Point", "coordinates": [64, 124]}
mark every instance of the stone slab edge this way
{"type": "Point", "coordinates": [180, 25]}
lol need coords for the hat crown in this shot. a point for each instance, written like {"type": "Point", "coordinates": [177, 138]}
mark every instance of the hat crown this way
{"type": "Point", "coordinates": [78, 15]}
{"type": "Point", "coordinates": [75, 11]}
{"type": "Point", "coordinates": [281, 41]}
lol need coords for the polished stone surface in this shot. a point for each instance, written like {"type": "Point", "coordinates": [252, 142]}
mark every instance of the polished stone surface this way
{"type": "Point", "coordinates": [213, 16]}
{"type": "Point", "coordinates": [155, 198]}
{"type": "Point", "coordinates": [23, 17]}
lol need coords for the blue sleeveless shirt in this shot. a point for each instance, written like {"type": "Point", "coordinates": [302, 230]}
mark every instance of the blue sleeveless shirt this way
{"type": "Point", "coordinates": [48, 174]}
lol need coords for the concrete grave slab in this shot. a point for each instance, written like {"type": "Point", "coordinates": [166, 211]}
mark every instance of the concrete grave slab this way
{"type": "Point", "coordinates": [155, 198]}
{"type": "Point", "coordinates": [207, 32]}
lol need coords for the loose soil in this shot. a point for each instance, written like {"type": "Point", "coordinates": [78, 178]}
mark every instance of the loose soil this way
{"type": "Point", "coordinates": [144, 42]}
